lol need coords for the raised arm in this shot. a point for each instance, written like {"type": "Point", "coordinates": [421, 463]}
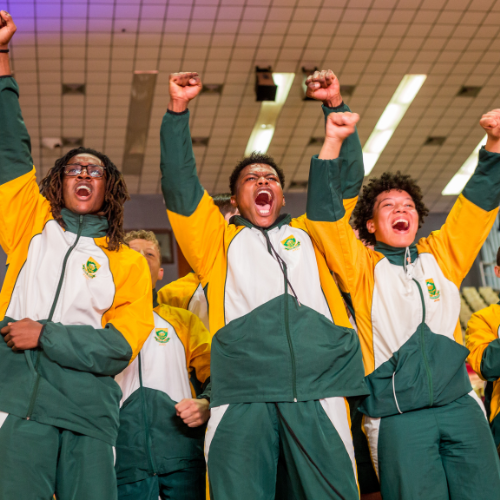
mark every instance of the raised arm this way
{"type": "Point", "coordinates": [197, 223]}
{"type": "Point", "coordinates": [334, 183]}
{"type": "Point", "coordinates": [20, 199]}
{"type": "Point", "coordinates": [458, 242]}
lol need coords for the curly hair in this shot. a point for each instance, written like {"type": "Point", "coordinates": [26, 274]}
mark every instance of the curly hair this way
{"type": "Point", "coordinates": [250, 160]}
{"type": "Point", "coordinates": [387, 181]}
{"type": "Point", "coordinates": [116, 194]}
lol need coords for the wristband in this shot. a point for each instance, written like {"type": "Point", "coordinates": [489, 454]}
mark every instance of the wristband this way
{"type": "Point", "coordinates": [4, 51]}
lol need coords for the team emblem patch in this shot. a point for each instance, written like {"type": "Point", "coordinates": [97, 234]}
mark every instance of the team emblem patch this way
{"type": "Point", "coordinates": [161, 335]}
{"type": "Point", "coordinates": [290, 243]}
{"type": "Point", "coordinates": [434, 293]}
{"type": "Point", "coordinates": [90, 268]}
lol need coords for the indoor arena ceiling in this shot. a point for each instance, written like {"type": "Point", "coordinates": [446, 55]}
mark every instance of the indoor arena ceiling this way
{"type": "Point", "coordinates": [370, 44]}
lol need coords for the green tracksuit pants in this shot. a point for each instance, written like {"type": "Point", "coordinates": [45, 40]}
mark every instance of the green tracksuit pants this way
{"type": "Point", "coordinates": [185, 484]}
{"type": "Point", "coordinates": [310, 440]}
{"type": "Point", "coordinates": [445, 452]}
{"type": "Point", "coordinates": [38, 460]}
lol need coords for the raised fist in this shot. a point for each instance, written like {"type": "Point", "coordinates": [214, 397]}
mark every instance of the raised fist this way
{"type": "Point", "coordinates": [491, 123]}
{"type": "Point", "coordinates": [184, 86]}
{"type": "Point", "coordinates": [324, 86]}
{"type": "Point", "coordinates": [7, 28]}
{"type": "Point", "coordinates": [341, 125]}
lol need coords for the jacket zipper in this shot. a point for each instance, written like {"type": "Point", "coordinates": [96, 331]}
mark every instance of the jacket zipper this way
{"type": "Point", "coordinates": [145, 415]}
{"type": "Point", "coordinates": [284, 269]}
{"type": "Point", "coordinates": [51, 314]}
{"type": "Point", "coordinates": [422, 343]}
{"type": "Point", "coordinates": [289, 338]}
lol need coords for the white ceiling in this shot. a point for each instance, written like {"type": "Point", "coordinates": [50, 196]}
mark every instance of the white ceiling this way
{"type": "Point", "coordinates": [369, 43]}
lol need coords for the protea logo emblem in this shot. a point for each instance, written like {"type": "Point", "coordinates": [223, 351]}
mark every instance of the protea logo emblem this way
{"type": "Point", "coordinates": [90, 268]}
{"type": "Point", "coordinates": [434, 293]}
{"type": "Point", "coordinates": [290, 243]}
{"type": "Point", "coordinates": [161, 335]}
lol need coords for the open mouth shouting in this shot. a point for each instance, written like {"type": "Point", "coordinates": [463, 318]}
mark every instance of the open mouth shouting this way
{"type": "Point", "coordinates": [401, 226]}
{"type": "Point", "coordinates": [83, 191]}
{"type": "Point", "coordinates": [264, 202]}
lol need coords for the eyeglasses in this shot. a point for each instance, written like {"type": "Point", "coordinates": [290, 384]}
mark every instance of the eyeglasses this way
{"type": "Point", "coordinates": [94, 171]}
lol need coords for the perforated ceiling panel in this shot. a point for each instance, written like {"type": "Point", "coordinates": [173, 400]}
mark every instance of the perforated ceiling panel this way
{"type": "Point", "coordinates": [369, 43]}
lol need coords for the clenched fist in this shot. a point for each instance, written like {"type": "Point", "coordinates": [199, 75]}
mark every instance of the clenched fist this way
{"type": "Point", "coordinates": [7, 29]}
{"type": "Point", "coordinates": [341, 125]}
{"type": "Point", "coordinates": [22, 335]}
{"type": "Point", "coordinates": [324, 86]}
{"type": "Point", "coordinates": [491, 123]}
{"type": "Point", "coordinates": [183, 87]}
{"type": "Point", "coordinates": [194, 412]}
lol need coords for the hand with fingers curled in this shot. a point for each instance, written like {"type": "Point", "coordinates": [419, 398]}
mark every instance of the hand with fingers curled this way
{"type": "Point", "coordinates": [22, 335]}
{"type": "Point", "coordinates": [324, 86]}
{"type": "Point", "coordinates": [491, 123]}
{"type": "Point", "coordinates": [183, 87]}
{"type": "Point", "coordinates": [193, 412]}
{"type": "Point", "coordinates": [339, 126]}
{"type": "Point", "coordinates": [7, 29]}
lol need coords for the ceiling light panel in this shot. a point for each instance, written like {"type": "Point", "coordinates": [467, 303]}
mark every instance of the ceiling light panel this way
{"type": "Point", "coordinates": [459, 180]}
{"type": "Point", "coordinates": [263, 130]}
{"type": "Point", "coordinates": [390, 119]}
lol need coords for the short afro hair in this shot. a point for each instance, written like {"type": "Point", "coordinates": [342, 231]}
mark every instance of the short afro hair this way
{"type": "Point", "coordinates": [387, 181]}
{"type": "Point", "coordinates": [250, 160]}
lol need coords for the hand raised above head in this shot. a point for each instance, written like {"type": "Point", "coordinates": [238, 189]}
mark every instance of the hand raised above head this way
{"type": "Point", "coordinates": [183, 87]}
{"type": "Point", "coordinates": [7, 28]}
{"type": "Point", "coordinates": [341, 125]}
{"type": "Point", "coordinates": [490, 121]}
{"type": "Point", "coordinates": [324, 86]}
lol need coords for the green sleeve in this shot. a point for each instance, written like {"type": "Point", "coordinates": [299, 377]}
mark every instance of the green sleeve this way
{"type": "Point", "coordinates": [15, 144]}
{"type": "Point", "coordinates": [353, 170]}
{"type": "Point", "coordinates": [483, 188]}
{"type": "Point", "coordinates": [179, 182]}
{"type": "Point", "coordinates": [490, 363]}
{"type": "Point", "coordinates": [84, 348]}
{"type": "Point", "coordinates": [206, 390]}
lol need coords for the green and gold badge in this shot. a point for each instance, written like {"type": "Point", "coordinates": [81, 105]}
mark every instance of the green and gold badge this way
{"type": "Point", "coordinates": [90, 268]}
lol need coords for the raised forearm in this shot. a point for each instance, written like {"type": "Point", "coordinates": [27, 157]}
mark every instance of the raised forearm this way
{"type": "Point", "coordinates": [4, 62]}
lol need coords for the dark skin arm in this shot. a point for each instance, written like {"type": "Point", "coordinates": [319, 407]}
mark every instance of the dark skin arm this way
{"type": "Point", "coordinates": [22, 335]}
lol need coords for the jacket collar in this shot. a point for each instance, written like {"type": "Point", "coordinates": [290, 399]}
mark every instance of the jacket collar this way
{"type": "Point", "coordinates": [94, 226]}
{"type": "Point", "coordinates": [396, 255]}
{"type": "Point", "coordinates": [282, 220]}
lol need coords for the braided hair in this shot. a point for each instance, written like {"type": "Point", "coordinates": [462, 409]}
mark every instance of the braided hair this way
{"type": "Point", "coordinates": [116, 194]}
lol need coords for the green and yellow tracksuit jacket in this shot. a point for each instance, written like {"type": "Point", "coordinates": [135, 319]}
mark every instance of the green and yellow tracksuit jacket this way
{"type": "Point", "coordinates": [186, 293]}
{"type": "Point", "coordinates": [279, 326]}
{"type": "Point", "coordinates": [95, 304]}
{"type": "Point", "coordinates": [406, 300]}
{"type": "Point", "coordinates": [152, 438]}
{"type": "Point", "coordinates": [482, 339]}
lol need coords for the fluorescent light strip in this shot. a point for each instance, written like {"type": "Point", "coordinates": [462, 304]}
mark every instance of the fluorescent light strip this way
{"type": "Point", "coordinates": [263, 130]}
{"type": "Point", "coordinates": [390, 119]}
{"type": "Point", "coordinates": [459, 180]}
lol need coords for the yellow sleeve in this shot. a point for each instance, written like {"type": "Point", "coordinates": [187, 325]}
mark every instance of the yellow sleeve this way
{"type": "Point", "coordinates": [195, 338]}
{"type": "Point", "coordinates": [456, 245]}
{"type": "Point", "coordinates": [179, 292]}
{"type": "Point", "coordinates": [132, 310]}
{"type": "Point", "coordinates": [482, 329]}
{"type": "Point", "coordinates": [200, 235]}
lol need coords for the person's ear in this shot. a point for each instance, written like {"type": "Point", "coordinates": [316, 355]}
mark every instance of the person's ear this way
{"type": "Point", "coordinates": [370, 225]}
{"type": "Point", "coordinates": [497, 271]}
{"type": "Point", "coordinates": [233, 201]}
{"type": "Point", "coordinates": [284, 202]}
{"type": "Point", "coordinates": [160, 274]}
